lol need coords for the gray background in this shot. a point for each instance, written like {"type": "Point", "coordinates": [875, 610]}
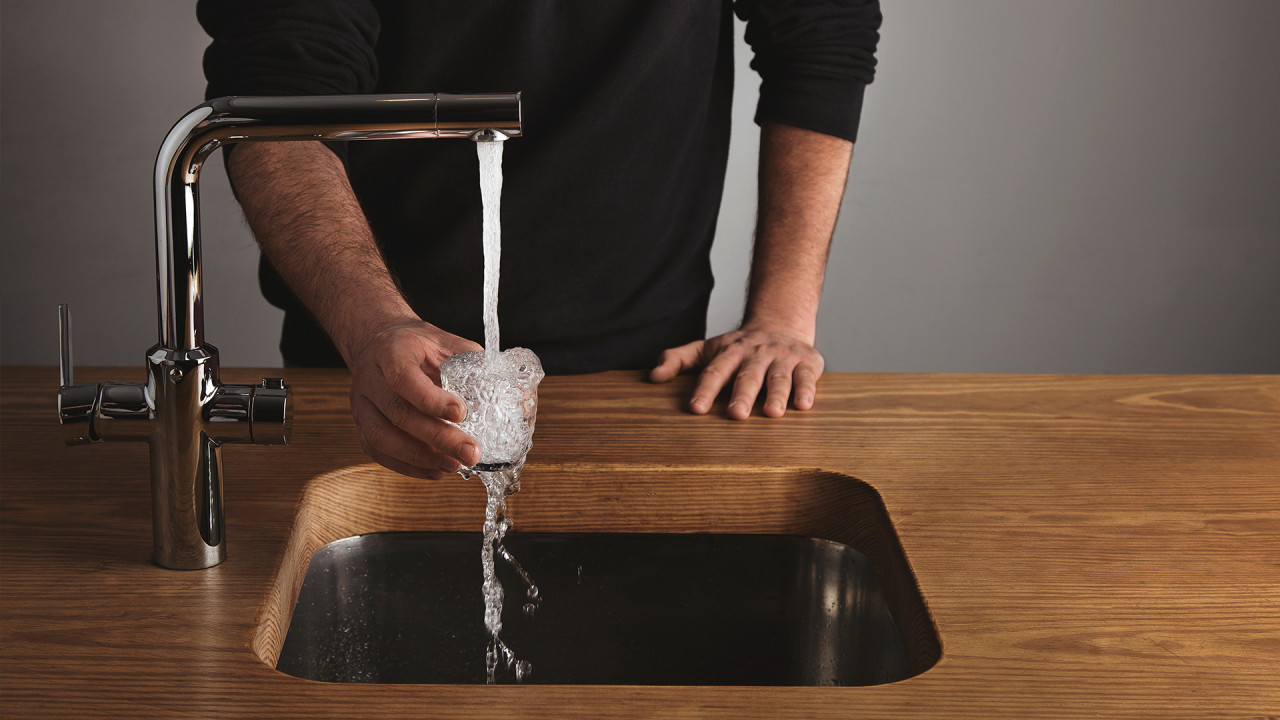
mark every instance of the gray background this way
{"type": "Point", "coordinates": [1039, 186]}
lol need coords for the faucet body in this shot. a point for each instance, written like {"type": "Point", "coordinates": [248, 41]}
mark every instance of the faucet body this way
{"type": "Point", "coordinates": [183, 412]}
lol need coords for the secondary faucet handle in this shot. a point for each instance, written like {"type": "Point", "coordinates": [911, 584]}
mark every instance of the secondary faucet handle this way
{"type": "Point", "coordinates": [77, 404]}
{"type": "Point", "coordinates": [272, 412]}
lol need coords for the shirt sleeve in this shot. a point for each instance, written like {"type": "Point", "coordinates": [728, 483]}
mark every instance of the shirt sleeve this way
{"type": "Point", "coordinates": [815, 58]}
{"type": "Point", "coordinates": [289, 47]}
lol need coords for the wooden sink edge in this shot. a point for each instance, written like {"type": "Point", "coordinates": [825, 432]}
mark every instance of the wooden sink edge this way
{"type": "Point", "coordinates": [575, 497]}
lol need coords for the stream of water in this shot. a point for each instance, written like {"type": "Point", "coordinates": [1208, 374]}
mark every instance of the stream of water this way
{"type": "Point", "coordinates": [490, 155]}
{"type": "Point", "coordinates": [502, 423]}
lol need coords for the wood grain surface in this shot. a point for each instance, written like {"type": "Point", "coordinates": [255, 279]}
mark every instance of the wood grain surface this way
{"type": "Point", "coordinates": [1096, 546]}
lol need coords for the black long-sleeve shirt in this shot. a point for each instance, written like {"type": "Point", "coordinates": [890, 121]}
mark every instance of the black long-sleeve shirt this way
{"type": "Point", "coordinates": [611, 195]}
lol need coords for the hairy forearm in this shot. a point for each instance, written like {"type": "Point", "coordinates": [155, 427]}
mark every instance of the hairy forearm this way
{"type": "Point", "coordinates": [300, 205]}
{"type": "Point", "coordinates": [302, 210]}
{"type": "Point", "coordinates": [802, 179]}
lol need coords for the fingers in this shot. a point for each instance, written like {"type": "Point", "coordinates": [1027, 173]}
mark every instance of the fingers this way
{"type": "Point", "coordinates": [746, 386]}
{"type": "Point", "coordinates": [753, 362]}
{"type": "Point", "coordinates": [714, 377]}
{"type": "Point", "coordinates": [779, 388]}
{"type": "Point", "coordinates": [806, 385]}
{"type": "Point", "coordinates": [404, 377]}
{"type": "Point", "coordinates": [398, 450]}
{"type": "Point", "coordinates": [399, 407]}
{"type": "Point", "coordinates": [677, 360]}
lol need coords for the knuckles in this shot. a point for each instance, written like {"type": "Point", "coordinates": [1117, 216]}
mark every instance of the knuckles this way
{"type": "Point", "coordinates": [399, 412]}
{"type": "Point", "coordinates": [396, 374]}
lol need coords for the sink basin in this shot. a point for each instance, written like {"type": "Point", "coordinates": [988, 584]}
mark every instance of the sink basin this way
{"type": "Point", "coordinates": [648, 576]}
{"type": "Point", "coordinates": [617, 609]}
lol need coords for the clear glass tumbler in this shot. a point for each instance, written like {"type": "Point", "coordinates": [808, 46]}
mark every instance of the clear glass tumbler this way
{"type": "Point", "coordinates": [501, 395]}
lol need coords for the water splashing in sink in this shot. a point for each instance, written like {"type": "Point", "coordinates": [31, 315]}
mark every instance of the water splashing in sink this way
{"type": "Point", "coordinates": [497, 484]}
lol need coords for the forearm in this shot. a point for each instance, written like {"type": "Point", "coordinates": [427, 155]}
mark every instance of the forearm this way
{"type": "Point", "coordinates": [802, 177]}
{"type": "Point", "coordinates": [306, 217]}
{"type": "Point", "coordinates": [300, 205]}
{"type": "Point", "coordinates": [801, 183]}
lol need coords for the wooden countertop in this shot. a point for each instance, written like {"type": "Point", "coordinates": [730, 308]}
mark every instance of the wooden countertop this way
{"type": "Point", "coordinates": [1088, 546]}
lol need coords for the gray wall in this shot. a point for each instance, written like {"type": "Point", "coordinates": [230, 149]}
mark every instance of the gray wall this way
{"type": "Point", "coordinates": [1039, 186]}
{"type": "Point", "coordinates": [90, 87]}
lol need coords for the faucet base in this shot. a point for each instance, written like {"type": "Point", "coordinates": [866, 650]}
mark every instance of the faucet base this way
{"type": "Point", "coordinates": [186, 464]}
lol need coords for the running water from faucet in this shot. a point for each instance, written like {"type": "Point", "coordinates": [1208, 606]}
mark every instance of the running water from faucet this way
{"type": "Point", "coordinates": [500, 390]}
{"type": "Point", "coordinates": [490, 155]}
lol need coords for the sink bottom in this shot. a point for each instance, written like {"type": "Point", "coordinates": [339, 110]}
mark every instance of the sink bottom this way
{"type": "Point", "coordinates": [617, 609]}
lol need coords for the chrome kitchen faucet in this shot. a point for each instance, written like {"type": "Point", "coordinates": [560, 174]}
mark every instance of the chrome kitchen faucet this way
{"type": "Point", "coordinates": [183, 412]}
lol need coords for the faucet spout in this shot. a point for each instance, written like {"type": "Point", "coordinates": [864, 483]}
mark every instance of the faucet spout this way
{"type": "Point", "coordinates": [194, 414]}
{"type": "Point", "coordinates": [227, 120]}
{"type": "Point", "coordinates": [489, 135]}
{"type": "Point", "coordinates": [183, 411]}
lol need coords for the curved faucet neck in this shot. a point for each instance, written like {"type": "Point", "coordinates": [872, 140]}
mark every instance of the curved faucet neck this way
{"type": "Point", "coordinates": [262, 119]}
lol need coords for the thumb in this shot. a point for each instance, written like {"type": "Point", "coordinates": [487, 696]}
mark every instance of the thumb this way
{"type": "Point", "coordinates": [676, 360]}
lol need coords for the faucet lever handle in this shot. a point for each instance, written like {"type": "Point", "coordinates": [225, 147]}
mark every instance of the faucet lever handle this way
{"type": "Point", "coordinates": [77, 404]}
{"type": "Point", "coordinates": [64, 345]}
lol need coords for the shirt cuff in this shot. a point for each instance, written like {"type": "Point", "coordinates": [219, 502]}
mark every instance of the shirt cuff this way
{"type": "Point", "coordinates": [828, 107]}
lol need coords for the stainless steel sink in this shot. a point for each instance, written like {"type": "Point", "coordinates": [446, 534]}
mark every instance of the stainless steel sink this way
{"type": "Point", "coordinates": [649, 574]}
{"type": "Point", "coordinates": [625, 608]}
